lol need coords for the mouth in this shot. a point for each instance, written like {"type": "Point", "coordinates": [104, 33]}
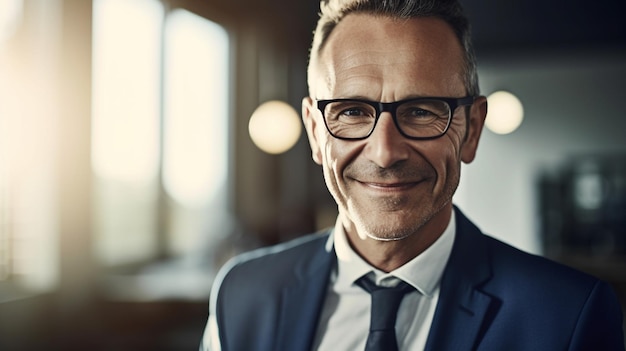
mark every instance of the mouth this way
{"type": "Point", "coordinates": [389, 186]}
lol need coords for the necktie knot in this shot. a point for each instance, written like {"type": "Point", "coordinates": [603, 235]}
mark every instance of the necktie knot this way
{"type": "Point", "coordinates": [385, 304]}
{"type": "Point", "coordinates": [369, 286]}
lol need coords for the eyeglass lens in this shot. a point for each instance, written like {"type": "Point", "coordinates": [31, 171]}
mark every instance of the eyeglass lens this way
{"type": "Point", "coordinates": [415, 118]}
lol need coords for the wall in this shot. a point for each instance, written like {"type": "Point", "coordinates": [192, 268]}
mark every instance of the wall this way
{"type": "Point", "coordinates": [574, 105]}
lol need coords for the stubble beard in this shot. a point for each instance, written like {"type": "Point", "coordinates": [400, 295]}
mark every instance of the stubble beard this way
{"type": "Point", "coordinates": [389, 226]}
{"type": "Point", "coordinates": [393, 219]}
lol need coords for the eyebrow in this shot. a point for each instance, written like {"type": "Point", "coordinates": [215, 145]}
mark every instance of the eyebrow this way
{"type": "Point", "coordinates": [361, 97]}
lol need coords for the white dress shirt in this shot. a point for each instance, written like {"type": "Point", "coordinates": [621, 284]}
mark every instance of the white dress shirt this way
{"type": "Point", "coordinates": [345, 317]}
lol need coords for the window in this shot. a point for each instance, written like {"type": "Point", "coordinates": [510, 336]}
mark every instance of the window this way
{"type": "Point", "coordinates": [159, 138]}
{"type": "Point", "coordinates": [125, 128]}
{"type": "Point", "coordinates": [160, 130]}
{"type": "Point", "coordinates": [195, 158]}
{"type": "Point", "coordinates": [27, 149]}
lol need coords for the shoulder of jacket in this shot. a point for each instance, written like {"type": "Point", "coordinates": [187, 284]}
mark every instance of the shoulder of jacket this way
{"type": "Point", "coordinates": [272, 259]}
{"type": "Point", "coordinates": [295, 247]}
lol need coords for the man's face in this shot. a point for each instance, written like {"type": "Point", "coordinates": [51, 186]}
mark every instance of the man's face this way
{"type": "Point", "coordinates": [387, 186]}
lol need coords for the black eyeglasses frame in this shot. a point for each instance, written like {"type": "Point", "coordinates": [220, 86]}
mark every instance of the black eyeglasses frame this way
{"type": "Point", "coordinates": [391, 107]}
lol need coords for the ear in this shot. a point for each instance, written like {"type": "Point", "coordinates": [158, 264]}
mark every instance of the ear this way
{"type": "Point", "coordinates": [478, 113]}
{"type": "Point", "coordinates": [310, 124]}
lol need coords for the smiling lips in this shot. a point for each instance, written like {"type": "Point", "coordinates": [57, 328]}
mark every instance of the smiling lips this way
{"type": "Point", "coordinates": [398, 186]}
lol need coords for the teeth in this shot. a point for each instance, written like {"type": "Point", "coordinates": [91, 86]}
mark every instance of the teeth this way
{"type": "Point", "coordinates": [389, 185]}
{"type": "Point", "coordinates": [395, 185]}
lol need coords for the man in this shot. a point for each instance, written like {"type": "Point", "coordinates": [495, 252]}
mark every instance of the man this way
{"type": "Point", "coordinates": [393, 110]}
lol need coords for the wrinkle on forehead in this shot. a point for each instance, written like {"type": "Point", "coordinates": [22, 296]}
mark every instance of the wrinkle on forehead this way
{"type": "Point", "coordinates": [356, 61]}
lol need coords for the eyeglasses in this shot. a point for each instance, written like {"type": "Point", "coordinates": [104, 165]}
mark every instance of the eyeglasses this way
{"type": "Point", "coordinates": [418, 119]}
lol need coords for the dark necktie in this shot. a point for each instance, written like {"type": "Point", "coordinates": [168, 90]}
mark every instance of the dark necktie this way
{"type": "Point", "coordinates": [385, 303]}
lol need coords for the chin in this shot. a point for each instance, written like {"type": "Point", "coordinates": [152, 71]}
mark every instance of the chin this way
{"type": "Point", "coordinates": [387, 237]}
{"type": "Point", "coordinates": [393, 226]}
{"type": "Point", "coordinates": [383, 231]}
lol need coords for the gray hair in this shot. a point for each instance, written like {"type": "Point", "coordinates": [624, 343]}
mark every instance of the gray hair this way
{"type": "Point", "coordinates": [451, 11]}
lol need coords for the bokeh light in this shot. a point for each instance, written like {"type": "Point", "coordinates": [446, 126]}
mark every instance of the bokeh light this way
{"type": "Point", "coordinates": [275, 127]}
{"type": "Point", "coordinates": [505, 113]}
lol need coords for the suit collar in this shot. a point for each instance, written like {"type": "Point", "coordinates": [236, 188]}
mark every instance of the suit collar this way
{"type": "Point", "coordinates": [463, 309]}
{"type": "Point", "coordinates": [302, 301]}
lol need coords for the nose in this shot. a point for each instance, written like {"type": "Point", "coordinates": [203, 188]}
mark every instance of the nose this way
{"type": "Point", "coordinates": [386, 146]}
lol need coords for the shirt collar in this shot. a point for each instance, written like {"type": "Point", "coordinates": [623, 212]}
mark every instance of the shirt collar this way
{"type": "Point", "coordinates": [422, 272]}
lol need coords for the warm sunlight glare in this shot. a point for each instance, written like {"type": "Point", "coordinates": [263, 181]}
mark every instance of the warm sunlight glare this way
{"type": "Point", "coordinates": [126, 95]}
{"type": "Point", "coordinates": [196, 108]}
{"type": "Point", "coordinates": [10, 16]}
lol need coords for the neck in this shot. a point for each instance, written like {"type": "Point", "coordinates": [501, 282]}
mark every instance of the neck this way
{"type": "Point", "coordinates": [390, 255]}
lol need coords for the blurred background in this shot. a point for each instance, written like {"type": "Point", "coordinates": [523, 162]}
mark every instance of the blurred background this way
{"type": "Point", "coordinates": [135, 155]}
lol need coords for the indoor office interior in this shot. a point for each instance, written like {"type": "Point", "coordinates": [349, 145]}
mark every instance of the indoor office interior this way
{"type": "Point", "coordinates": [145, 142]}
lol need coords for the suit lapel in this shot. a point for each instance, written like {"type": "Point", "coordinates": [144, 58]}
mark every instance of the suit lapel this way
{"type": "Point", "coordinates": [463, 311]}
{"type": "Point", "coordinates": [302, 302]}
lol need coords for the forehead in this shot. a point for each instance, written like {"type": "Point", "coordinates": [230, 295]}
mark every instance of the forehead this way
{"type": "Point", "coordinates": [377, 56]}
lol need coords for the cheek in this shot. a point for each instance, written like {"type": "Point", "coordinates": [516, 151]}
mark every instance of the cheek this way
{"type": "Point", "coordinates": [444, 155]}
{"type": "Point", "coordinates": [337, 155]}
{"type": "Point", "coordinates": [330, 162]}
{"type": "Point", "coordinates": [332, 167]}
{"type": "Point", "coordinates": [455, 138]}
{"type": "Point", "coordinates": [457, 131]}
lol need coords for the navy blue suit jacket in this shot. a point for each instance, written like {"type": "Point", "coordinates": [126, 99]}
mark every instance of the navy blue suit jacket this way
{"type": "Point", "coordinates": [492, 297]}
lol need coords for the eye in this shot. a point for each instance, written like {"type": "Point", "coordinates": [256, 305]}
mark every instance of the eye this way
{"type": "Point", "coordinates": [354, 112]}
{"type": "Point", "coordinates": [349, 110]}
{"type": "Point", "coordinates": [422, 111]}
{"type": "Point", "coordinates": [419, 113]}
{"type": "Point", "coordinates": [416, 115]}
